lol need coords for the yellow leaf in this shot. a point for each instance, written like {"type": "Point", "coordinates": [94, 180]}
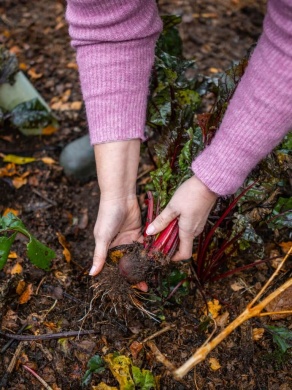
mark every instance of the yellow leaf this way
{"type": "Point", "coordinates": [18, 159]}
{"type": "Point", "coordinates": [19, 182]}
{"type": "Point", "coordinates": [49, 130]}
{"type": "Point", "coordinates": [12, 255]}
{"type": "Point", "coordinates": [120, 368]}
{"type": "Point", "coordinates": [13, 211]}
{"type": "Point", "coordinates": [286, 246]}
{"type": "Point", "coordinates": [20, 287]}
{"type": "Point", "coordinates": [8, 170]}
{"type": "Point", "coordinates": [34, 75]}
{"type": "Point", "coordinates": [257, 333]}
{"type": "Point", "coordinates": [16, 269]}
{"type": "Point", "coordinates": [214, 364]}
{"type": "Point", "coordinates": [76, 106]}
{"type": "Point", "coordinates": [103, 386]}
{"type": "Point", "coordinates": [22, 66]}
{"type": "Point", "coordinates": [213, 308]}
{"type": "Point", "coordinates": [26, 295]}
{"type": "Point", "coordinates": [62, 241]}
{"type": "Point", "coordinates": [48, 160]}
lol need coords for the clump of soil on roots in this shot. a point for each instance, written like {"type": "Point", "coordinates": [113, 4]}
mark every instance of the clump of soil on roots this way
{"type": "Point", "coordinates": [117, 283]}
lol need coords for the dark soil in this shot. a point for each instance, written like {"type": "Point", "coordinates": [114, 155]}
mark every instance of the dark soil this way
{"type": "Point", "coordinates": [214, 32]}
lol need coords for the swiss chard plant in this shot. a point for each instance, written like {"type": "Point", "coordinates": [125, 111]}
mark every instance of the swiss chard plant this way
{"type": "Point", "coordinates": [39, 254]}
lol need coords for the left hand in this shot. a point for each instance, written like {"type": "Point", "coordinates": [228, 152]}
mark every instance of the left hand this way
{"type": "Point", "coordinates": [191, 204]}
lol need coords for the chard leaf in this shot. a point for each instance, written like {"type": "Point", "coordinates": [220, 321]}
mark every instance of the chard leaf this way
{"type": "Point", "coordinates": [5, 245]}
{"type": "Point", "coordinates": [281, 336]}
{"type": "Point", "coordinates": [31, 114]}
{"type": "Point", "coordinates": [95, 366]}
{"type": "Point", "coordinates": [8, 66]}
{"type": "Point", "coordinates": [144, 379]}
{"type": "Point", "coordinates": [39, 254]}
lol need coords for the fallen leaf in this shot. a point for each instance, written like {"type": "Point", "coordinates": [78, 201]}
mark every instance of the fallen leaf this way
{"type": "Point", "coordinates": [8, 170]}
{"type": "Point", "coordinates": [257, 333]}
{"type": "Point", "coordinates": [34, 75]}
{"type": "Point", "coordinates": [222, 320]}
{"type": "Point", "coordinates": [286, 246]}
{"type": "Point", "coordinates": [213, 308]}
{"type": "Point", "coordinates": [8, 138]}
{"type": "Point", "coordinates": [12, 158]}
{"type": "Point", "coordinates": [214, 364]}
{"type": "Point", "coordinates": [16, 269]}
{"type": "Point", "coordinates": [72, 65]}
{"type": "Point", "coordinates": [280, 303]}
{"type": "Point", "coordinates": [22, 66]}
{"type": "Point", "coordinates": [103, 386]}
{"type": "Point", "coordinates": [76, 105]}
{"type": "Point", "coordinates": [49, 130]}
{"type": "Point", "coordinates": [62, 241]}
{"type": "Point", "coordinates": [18, 182]}
{"type": "Point", "coordinates": [135, 348]}
{"type": "Point", "coordinates": [20, 287]}
{"type": "Point", "coordinates": [52, 326]}
{"type": "Point", "coordinates": [9, 320]}
{"type": "Point", "coordinates": [13, 211]}
{"type": "Point", "coordinates": [26, 295]}
{"type": "Point", "coordinates": [120, 368]}
{"type": "Point", "coordinates": [236, 286]}
{"type": "Point", "coordinates": [48, 160]}
{"type": "Point", "coordinates": [12, 255]}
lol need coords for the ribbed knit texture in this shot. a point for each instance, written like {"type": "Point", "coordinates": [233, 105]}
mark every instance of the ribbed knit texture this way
{"type": "Point", "coordinates": [115, 42]}
{"type": "Point", "coordinates": [260, 113]}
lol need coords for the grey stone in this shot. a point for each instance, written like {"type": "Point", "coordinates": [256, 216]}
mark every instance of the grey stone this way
{"type": "Point", "coordinates": [77, 159]}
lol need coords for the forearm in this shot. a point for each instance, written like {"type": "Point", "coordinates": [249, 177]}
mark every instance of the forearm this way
{"type": "Point", "coordinates": [259, 115]}
{"type": "Point", "coordinates": [117, 166]}
{"type": "Point", "coordinates": [115, 43]}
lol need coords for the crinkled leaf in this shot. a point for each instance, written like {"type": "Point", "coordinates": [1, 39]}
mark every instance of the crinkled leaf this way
{"type": "Point", "coordinates": [159, 108]}
{"type": "Point", "coordinates": [120, 367]}
{"type": "Point", "coordinates": [95, 366]}
{"type": "Point", "coordinates": [31, 114]}
{"type": "Point", "coordinates": [169, 40]}
{"type": "Point", "coordinates": [8, 66]}
{"type": "Point", "coordinates": [282, 214]}
{"type": "Point", "coordinates": [103, 386]}
{"type": "Point", "coordinates": [144, 379]}
{"type": "Point", "coordinates": [5, 245]}
{"type": "Point", "coordinates": [281, 336]}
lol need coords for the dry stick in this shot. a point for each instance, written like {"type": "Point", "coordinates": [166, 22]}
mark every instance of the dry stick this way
{"type": "Point", "coordinates": [248, 313]}
{"type": "Point", "coordinates": [46, 386]}
{"type": "Point", "coordinates": [271, 313]}
{"type": "Point", "coordinates": [5, 378]}
{"type": "Point", "coordinates": [158, 333]}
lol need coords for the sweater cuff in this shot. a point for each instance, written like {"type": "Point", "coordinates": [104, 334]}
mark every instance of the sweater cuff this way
{"type": "Point", "coordinates": [114, 79]}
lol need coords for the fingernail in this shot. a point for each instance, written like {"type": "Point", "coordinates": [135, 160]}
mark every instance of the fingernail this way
{"type": "Point", "coordinates": [150, 230]}
{"type": "Point", "coordinates": [93, 270]}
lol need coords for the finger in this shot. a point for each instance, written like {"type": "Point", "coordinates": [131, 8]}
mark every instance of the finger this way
{"type": "Point", "coordinates": [162, 220]}
{"type": "Point", "coordinates": [99, 257]}
{"type": "Point", "coordinates": [185, 249]}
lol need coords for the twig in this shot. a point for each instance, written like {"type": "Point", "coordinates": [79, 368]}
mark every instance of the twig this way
{"type": "Point", "coordinates": [5, 378]}
{"type": "Point", "coordinates": [37, 377]}
{"type": "Point", "coordinates": [248, 313]}
{"type": "Point", "coordinates": [158, 333]}
{"type": "Point", "coordinates": [48, 336]}
{"type": "Point", "coordinates": [271, 313]}
{"type": "Point", "coordinates": [160, 357]}
{"type": "Point", "coordinates": [52, 202]}
{"type": "Point", "coordinates": [7, 345]}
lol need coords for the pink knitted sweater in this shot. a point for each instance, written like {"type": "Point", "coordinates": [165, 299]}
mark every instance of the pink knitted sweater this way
{"type": "Point", "coordinates": [115, 42]}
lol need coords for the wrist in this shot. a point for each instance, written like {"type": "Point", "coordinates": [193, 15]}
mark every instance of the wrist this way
{"type": "Point", "coordinates": [117, 167]}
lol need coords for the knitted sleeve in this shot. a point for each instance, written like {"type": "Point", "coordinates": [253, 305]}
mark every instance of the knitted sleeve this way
{"type": "Point", "coordinates": [115, 41]}
{"type": "Point", "coordinates": [260, 113]}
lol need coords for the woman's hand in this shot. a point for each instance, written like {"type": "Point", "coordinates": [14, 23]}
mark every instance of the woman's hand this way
{"type": "Point", "coordinates": [119, 220]}
{"type": "Point", "coordinates": [191, 204]}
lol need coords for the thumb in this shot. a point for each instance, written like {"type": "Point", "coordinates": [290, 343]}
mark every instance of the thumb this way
{"type": "Point", "coordinates": [162, 220]}
{"type": "Point", "coordinates": [99, 257]}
